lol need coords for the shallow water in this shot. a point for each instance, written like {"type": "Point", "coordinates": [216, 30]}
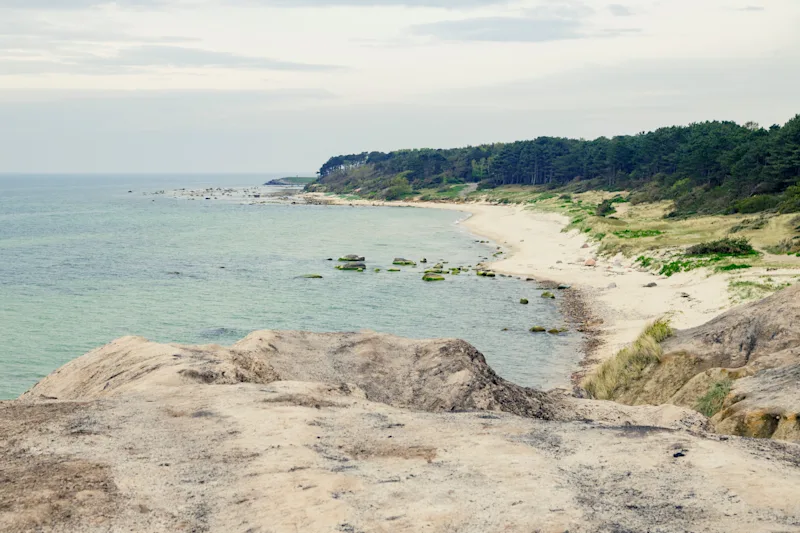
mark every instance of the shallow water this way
{"type": "Point", "coordinates": [82, 262]}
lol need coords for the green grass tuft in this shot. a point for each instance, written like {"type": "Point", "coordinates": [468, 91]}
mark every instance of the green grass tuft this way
{"type": "Point", "coordinates": [712, 402]}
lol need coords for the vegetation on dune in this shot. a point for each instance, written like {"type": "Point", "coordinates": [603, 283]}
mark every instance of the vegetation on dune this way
{"type": "Point", "coordinates": [637, 233]}
{"type": "Point", "coordinates": [724, 247]}
{"type": "Point", "coordinates": [704, 168]}
{"type": "Point", "coordinates": [617, 374]}
{"type": "Point", "coordinates": [711, 403]}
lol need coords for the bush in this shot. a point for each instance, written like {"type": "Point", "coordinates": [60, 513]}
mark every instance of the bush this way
{"type": "Point", "coordinates": [791, 200]}
{"type": "Point", "coordinates": [756, 204]}
{"type": "Point", "coordinates": [605, 208]}
{"type": "Point", "coordinates": [725, 246]}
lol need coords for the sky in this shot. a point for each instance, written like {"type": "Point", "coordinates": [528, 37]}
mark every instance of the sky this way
{"type": "Point", "coordinates": [141, 86]}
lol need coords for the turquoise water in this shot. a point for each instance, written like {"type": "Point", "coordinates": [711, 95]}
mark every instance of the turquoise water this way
{"type": "Point", "coordinates": [82, 262]}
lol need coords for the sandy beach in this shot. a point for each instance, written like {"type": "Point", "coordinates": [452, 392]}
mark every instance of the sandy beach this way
{"type": "Point", "coordinates": [535, 246]}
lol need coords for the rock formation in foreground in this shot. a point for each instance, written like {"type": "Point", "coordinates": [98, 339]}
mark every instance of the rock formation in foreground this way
{"type": "Point", "coordinates": [742, 369]}
{"type": "Point", "coordinates": [302, 432]}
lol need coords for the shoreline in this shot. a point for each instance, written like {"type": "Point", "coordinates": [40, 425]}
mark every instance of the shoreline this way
{"type": "Point", "coordinates": [610, 300]}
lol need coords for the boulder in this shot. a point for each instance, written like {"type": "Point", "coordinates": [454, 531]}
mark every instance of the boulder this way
{"type": "Point", "coordinates": [403, 262]}
{"type": "Point", "coordinates": [351, 258]}
{"type": "Point", "coordinates": [548, 294]}
{"type": "Point", "coordinates": [524, 301]}
{"type": "Point", "coordinates": [352, 266]}
{"type": "Point", "coordinates": [651, 285]}
{"type": "Point", "coordinates": [590, 263]}
{"type": "Point", "coordinates": [538, 329]}
{"type": "Point", "coordinates": [433, 277]}
{"type": "Point", "coordinates": [564, 287]}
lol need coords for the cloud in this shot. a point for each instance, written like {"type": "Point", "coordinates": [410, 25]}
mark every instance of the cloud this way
{"type": "Point", "coordinates": [76, 4]}
{"type": "Point", "coordinates": [182, 57]}
{"type": "Point", "coordinates": [508, 29]}
{"type": "Point", "coordinates": [618, 10]}
{"type": "Point", "coordinates": [153, 56]}
{"type": "Point", "coordinates": [501, 29]}
{"type": "Point", "coordinates": [85, 4]}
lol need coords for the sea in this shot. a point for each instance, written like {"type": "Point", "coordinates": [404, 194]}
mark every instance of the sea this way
{"type": "Point", "coordinates": [85, 259]}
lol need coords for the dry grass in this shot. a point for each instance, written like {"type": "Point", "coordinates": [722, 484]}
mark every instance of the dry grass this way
{"type": "Point", "coordinates": [619, 373]}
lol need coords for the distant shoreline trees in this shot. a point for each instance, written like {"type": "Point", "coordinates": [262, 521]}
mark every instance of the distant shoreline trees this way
{"type": "Point", "coordinates": [707, 167]}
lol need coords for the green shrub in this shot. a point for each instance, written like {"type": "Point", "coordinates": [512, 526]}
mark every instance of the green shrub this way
{"type": "Point", "coordinates": [605, 208]}
{"type": "Point", "coordinates": [711, 403]}
{"type": "Point", "coordinates": [729, 268]}
{"type": "Point", "coordinates": [756, 204]}
{"type": "Point", "coordinates": [727, 247]}
{"type": "Point", "coordinates": [637, 233]}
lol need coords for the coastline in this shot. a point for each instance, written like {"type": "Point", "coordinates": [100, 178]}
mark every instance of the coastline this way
{"type": "Point", "coordinates": [610, 300]}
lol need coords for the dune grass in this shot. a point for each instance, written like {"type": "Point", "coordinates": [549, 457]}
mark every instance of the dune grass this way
{"type": "Point", "coordinates": [618, 373]}
{"type": "Point", "coordinates": [712, 402]}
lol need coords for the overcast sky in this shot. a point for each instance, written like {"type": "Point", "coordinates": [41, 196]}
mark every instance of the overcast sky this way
{"type": "Point", "coordinates": [281, 85]}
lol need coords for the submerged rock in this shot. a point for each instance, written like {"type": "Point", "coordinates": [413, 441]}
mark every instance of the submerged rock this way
{"type": "Point", "coordinates": [538, 329]}
{"type": "Point", "coordinates": [311, 276]}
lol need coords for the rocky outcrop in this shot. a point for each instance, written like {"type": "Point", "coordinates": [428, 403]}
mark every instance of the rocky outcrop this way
{"type": "Point", "coordinates": [742, 369]}
{"type": "Point", "coordinates": [289, 431]}
{"type": "Point", "coordinates": [434, 375]}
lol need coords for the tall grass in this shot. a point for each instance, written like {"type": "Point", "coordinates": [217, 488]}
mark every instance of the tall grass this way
{"type": "Point", "coordinates": [616, 375]}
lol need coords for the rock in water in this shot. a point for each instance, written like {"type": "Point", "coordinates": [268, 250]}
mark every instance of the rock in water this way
{"type": "Point", "coordinates": [548, 294]}
{"type": "Point", "coordinates": [403, 262]}
{"type": "Point", "coordinates": [351, 258]}
{"type": "Point", "coordinates": [311, 276]}
{"type": "Point", "coordinates": [352, 266]}
{"type": "Point", "coordinates": [433, 277]}
{"type": "Point", "coordinates": [524, 301]}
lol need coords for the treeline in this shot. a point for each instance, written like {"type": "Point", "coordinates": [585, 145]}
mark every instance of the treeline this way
{"type": "Point", "coordinates": [709, 167]}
